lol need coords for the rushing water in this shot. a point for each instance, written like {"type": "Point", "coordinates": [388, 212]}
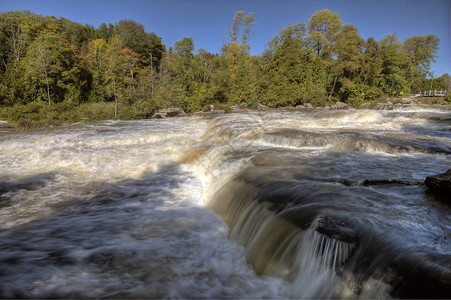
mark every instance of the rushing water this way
{"type": "Point", "coordinates": [255, 205]}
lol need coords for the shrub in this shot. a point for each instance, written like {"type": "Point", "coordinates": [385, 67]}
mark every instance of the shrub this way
{"type": "Point", "coordinates": [226, 107]}
{"type": "Point", "coordinates": [318, 96]}
{"type": "Point", "coordinates": [253, 103]}
{"type": "Point", "coordinates": [96, 111]}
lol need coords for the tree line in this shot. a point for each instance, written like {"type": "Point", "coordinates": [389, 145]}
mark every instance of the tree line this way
{"type": "Point", "coordinates": [54, 60]}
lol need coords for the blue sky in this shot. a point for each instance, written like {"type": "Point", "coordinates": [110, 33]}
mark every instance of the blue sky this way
{"type": "Point", "coordinates": [208, 21]}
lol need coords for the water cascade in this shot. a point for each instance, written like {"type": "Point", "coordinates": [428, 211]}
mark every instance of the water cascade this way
{"type": "Point", "coordinates": [277, 204]}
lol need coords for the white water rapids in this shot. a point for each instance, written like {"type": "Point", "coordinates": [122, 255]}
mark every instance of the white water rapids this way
{"type": "Point", "coordinates": [142, 209]}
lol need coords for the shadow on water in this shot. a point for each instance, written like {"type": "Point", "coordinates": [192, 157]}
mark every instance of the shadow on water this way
{"type": "Point", "coordinates": [135, 238]}
{"type": "Point", "coordinates": [8, 186]}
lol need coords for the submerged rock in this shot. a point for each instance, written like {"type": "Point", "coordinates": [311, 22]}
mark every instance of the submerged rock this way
{"type": "Point", "coordinates": [440, 183]}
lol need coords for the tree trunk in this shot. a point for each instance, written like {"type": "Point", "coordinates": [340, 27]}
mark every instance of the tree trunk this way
{"type": "Point", "coordinates": [115, 99]}
{"type": "Point", "coordinates": [14, 38]}
{"type": "Point", "coordinates": [151, 72]}
{"type": "Point", "coordinates": [48, 88]}
{"type": "Point", "coordinates": [432, 79]}
{"type": "Point", "coordinates": [333, 88]}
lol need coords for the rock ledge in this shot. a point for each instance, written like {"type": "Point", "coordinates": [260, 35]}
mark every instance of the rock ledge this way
{"type": "Point", "coordinates": [440, 183]}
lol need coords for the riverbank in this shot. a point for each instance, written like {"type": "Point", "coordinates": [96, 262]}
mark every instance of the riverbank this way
{"type": "Point", "coordinates": [41, 115]}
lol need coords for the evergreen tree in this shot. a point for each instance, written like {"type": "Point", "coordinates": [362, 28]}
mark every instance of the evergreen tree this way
{"type": "Point", "coordinates": [395, 66]}
{"type": "Point", "coordinates": [241, 86]}
{"type": "Point", "coordinates": [280, 84]}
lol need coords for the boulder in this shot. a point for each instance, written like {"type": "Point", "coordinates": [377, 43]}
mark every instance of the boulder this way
{"type": "Point", "coordinates": [235, 108]}
{"type": "Point", "coordinates": [440, 183]}
{"type": "Point", "coordinates": [218, 111]}
{"type": "Point", "coordinates": [384, 106]}
{"type": "Point", "coordinates": [308, 105]}
{"type": "Point", "coordinates": [262, 107]}
{"type": "Point", "coordinates": [339, 105]}
{"type": "Point", "coordinates": [337, 227]}
{"type": "Point", "coordinates": [406, 101]}
{"type": "Point", "coordinates": [169, 112]}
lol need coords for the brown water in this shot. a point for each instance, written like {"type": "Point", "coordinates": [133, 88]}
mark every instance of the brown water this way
{"type": "Point", "coordinates": [252, 205]}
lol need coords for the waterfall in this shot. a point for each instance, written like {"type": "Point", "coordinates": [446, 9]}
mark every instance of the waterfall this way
{"type": "Point", "coordinates": [247, 205]}
{"type": "Point", "coordinates": [317, 264]}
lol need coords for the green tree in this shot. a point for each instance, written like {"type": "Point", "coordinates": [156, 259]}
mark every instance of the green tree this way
{"type": "Point", "coordinates": [185, 47]}
{"type": "Point", "coordinates": [322, 28]}
{"type": "Point", "coordinates": [148, 45]}
{"type": "Point", "coordinates": [191, 76]}
{"type": "Point", "coordinates": [241, 85]}
{"type": "Point", "coordinates": [422, 51]}
{"type": "Point", "coordinates": [105, 31]}
{"type": "Point", "coordinates": [114, 72]}
{"type": "Point", "coordinates": [14, 35]}
{"type": "Point", "coordinates": [53, 64]}
{"type": "Point", "coordinates": [280, 84]}
{"type": "Point", "coordinates": [43, 63]}
{"type": "Point", "coordinates": [164, 90]}
{"type": "Point", "coordinates": [395, 66]}
{"type": "Point", "coordinates": [371, 68]}
{"type": "Point", "coordinates": [349, 52]}
{"type": "Point", "coordinates": [77, 34]}
{"type": "Point", "coordinates": [95, 54]}
{"type": "Point", "coordinates": [130, 62]}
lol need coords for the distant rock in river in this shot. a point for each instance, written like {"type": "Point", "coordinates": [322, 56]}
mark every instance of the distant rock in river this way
{"type": "Point", "coordinates": [440, 183]}
{"type": "Point", "coordinates": [169, 112]}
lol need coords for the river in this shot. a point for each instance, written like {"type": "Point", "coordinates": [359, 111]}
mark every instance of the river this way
{"type": "Point", "coordinates": [276, 204]}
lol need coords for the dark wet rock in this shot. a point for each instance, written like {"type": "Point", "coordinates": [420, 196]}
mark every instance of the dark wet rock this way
{"type": "Point", "coordinates": [421, 276]}
{"type": "Point", "coordinates": [169, 112]}
{"type": "Point", "coordinates": [367, 182]}
{"type": "Point", "coordinates": [339, 106]}
{"type": "Point", "coordinates": [337, 227]}
{"type": "Point", "coordinates": [294, 133]}
{"type": "Point", "coordinates": [440, 184]}
{"type": "Point", "coordinates": [29, 183]}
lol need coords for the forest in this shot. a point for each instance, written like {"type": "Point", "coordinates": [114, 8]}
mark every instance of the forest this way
{"type": "Point", "coordinates": [56, 71]}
